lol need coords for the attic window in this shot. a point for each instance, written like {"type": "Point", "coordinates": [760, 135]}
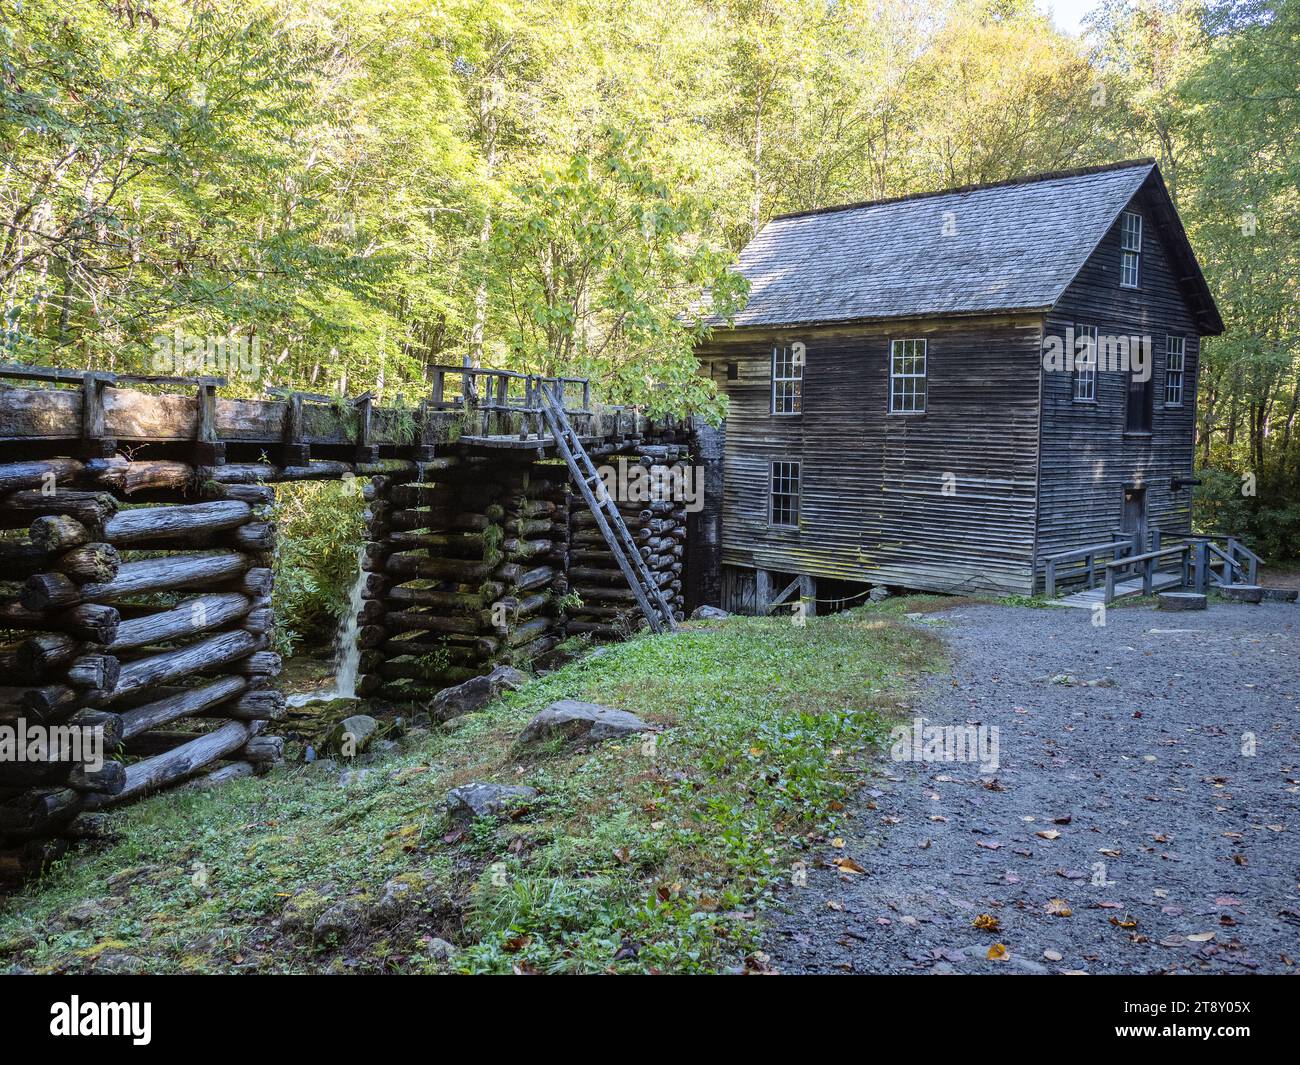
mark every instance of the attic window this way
{"type": "Point", "coordinates": [907, 377]}
{"type": "Point", "coordinates": [1130, 243]}
{"type": "Point", "coordinates": [787, 381]}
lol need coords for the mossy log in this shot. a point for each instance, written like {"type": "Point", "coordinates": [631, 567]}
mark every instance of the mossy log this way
{"type": "Point", "coordinates": [91, 509]}
{"type": "Point", "coordinates": [92, 622]}
{"type": "Point", "coordinates": [176, 523]}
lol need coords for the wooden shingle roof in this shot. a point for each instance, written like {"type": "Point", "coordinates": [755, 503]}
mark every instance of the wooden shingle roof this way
{"type": "Point", "coordinates": [1011, 246]}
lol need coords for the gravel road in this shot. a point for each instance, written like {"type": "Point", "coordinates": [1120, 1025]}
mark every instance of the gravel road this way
{"type": "Point", "coordinates": [1122, 797]}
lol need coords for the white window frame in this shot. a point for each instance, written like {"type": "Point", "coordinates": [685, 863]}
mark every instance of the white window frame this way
{"type": "Point", "coordinates": [906, 385]}
{"type": "Point", "coordinates": [1175, 375]}
{"type": "Point", "coordinates": [1083, 382]}
{"type": "Point", "coordinates": [787, 382]}
{"type": "Point", "coordinates": [1130, 253]}
{"type": "Point", "coordinates": [791, 476]}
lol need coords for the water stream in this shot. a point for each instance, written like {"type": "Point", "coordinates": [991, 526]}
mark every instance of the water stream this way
{"type": "Point", "coordinates": [347, 655]}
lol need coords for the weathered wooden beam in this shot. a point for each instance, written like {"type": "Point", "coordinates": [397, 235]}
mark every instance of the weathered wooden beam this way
{"type": "Point", "coordinates": [150, 774]}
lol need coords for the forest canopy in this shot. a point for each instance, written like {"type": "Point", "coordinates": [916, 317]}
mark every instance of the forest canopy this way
{"type": "Point", "coordinates": [350, 190]}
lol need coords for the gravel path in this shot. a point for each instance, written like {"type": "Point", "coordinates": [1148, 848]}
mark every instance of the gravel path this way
{"type": "Point", "coordinates": [1176, 851]}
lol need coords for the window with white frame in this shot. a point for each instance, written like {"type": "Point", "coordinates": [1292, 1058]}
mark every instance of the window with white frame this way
{"type": "Point", "coordinates": [787, 381]}
{"type": "Point", "coordinates": [1085, 363]}
{"type": "Point", "coordinates": [1175, 354]}
{"type": "Point", "coordinates": [1130, 255]}
{"type": "Point", "coordinates": [785, 494]}
{"type": "Point", "coordinates": [907, 377]}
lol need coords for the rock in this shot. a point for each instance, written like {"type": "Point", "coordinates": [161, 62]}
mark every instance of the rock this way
{"type": "Point", "coordinates": [708, 613]}
{"type": "Point", "coordinates": [1241, 593]}
{"type": "Point", "coordinates": [350, 777]}
{"type": "Point", "coordinates": [126, 877]}
{"type": "Point", "coordinates": [118, 962]}
{"type": "Point", "coordinates": [440, 950]}
{"type": "Point", "coordinates": [579, 722]}
{"type": "Point", "coordinates": [475, 693]}
{"type": "Point", "coordinates": [1281, 595]}
{"type": "Point", "coordinates": [878, 594]}
{"type": "Point", "coordinates": [352, 735]}
{"type": "Point", "coordinates": [398, 895]}
{"type": "Point", "coordinates": [342, 920]}
{"type": "Point", "coordinates": [1180, 601]}
{"type": "Point", "coordinates": [471, 801]}
{"type": "Point", "coordinates": [302, 910]}
{"type": "Point", "coordinates": [89, 910]}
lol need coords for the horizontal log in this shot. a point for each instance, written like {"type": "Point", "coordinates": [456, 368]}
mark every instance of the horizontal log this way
{"type": "Point", "coordinates": [94, 671]}
{"type": "Point", "coordinates": [188, 618]}
{"type": "Point", "coordinates": [191, 701]}
{"type": "Point", "coordinates": [108, 778]}
{"type": "Point", "coordinates": [266, 704]}
{"type": "Point", "coordinates": [89, 562]}
{"type": "Point", "coordinates": [227, 773]}
{"type": "Point", "coordinates": [408, 621]}
{"type": "Point", "coordinates": [156, 772]}
{"type": "Point", "coordinates": [156, 669]}
{"type": "Point", "coordinates": [58, 532]}
{"type": "Point", "coordinates": [166, 573]}
{"type": "Point", "coordinates": [255, 495]}
{"type": "Point", "coordinates": [262, 749]}
{"type": "Point", "coordinates": [126, 477]}
{"type": "Point", "coordinates": [38, 812]}
{"type": "Point", "coordinates": [151, 524]}
{"type": "Point", "coordinates": [38, 473]}
{"type": "Point", "coordinates": [91, 509]}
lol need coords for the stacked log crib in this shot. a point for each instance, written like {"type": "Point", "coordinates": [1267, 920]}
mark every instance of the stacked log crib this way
{"type": "Point", "coordinates": [139, 638]}
{"type": "Point", "coordinates": [137, 550]}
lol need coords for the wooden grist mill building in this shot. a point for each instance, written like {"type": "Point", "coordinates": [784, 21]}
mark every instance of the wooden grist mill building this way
{"type": "Point", "coordinates": [904, 408]}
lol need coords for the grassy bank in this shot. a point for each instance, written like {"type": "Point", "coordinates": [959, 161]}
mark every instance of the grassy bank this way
{"type": "Point", "coordinates": [636, 856]}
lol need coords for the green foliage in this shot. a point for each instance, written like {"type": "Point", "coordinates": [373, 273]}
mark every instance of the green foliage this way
{"type": "Point", "coordinates": [320, 524]}
{"type": "Point", "coordinates": [769, 727]}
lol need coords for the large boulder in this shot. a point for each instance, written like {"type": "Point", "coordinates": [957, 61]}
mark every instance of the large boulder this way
{"type": "Point", "coordinates": [578, 722]}
{"type": "Point", "coordinates": [475, 693]}
{"type": "Point", "coordinates": [472, 801]}
{"type": "Point", "coordinates": [352, 735]}
{"type": "Point", "coordinates": [708, 613]}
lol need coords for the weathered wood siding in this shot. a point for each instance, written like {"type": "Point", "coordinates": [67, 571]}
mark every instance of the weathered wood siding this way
{"type": "Point", "coordinates": [873, 506]}
{"type": "Point", "coordinates": [1086, 456]}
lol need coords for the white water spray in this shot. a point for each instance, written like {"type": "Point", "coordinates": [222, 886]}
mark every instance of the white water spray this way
{"type": "Point", "coordinates": [347, 655]}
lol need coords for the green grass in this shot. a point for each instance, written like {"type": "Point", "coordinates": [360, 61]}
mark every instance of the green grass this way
{"type": "Point", "coordinates": [635, 857]}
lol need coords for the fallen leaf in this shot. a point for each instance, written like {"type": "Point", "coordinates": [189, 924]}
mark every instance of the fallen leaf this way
{"type": "Point", "coordinates": [1129, 921]}
{"type": "Point", "coordinates": [847, 865]}
{"type": "Point", "coordinates": [1058, 908]}
{"type": "Point", "coordinates": [997, 952]}
{"type": "Point", "coordinates": [1202, 937]}
{"type": "Point", "coordinates": [1049, 833]}
{"type": "Point", "coordinates": [1052, 955]}
{"type": "Point", "coordinates": [986, 922]}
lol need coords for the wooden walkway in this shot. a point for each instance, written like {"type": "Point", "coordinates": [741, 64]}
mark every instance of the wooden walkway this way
{"type": "Point", "coordinates": [1090, 597]}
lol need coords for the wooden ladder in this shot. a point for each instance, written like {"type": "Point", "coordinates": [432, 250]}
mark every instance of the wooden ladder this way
{"type": "Point", "coordinates": [608, 519]}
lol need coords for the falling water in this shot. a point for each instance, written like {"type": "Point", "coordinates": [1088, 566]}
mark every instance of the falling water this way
{"type": "Point", "coordinates": [347, 655]}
